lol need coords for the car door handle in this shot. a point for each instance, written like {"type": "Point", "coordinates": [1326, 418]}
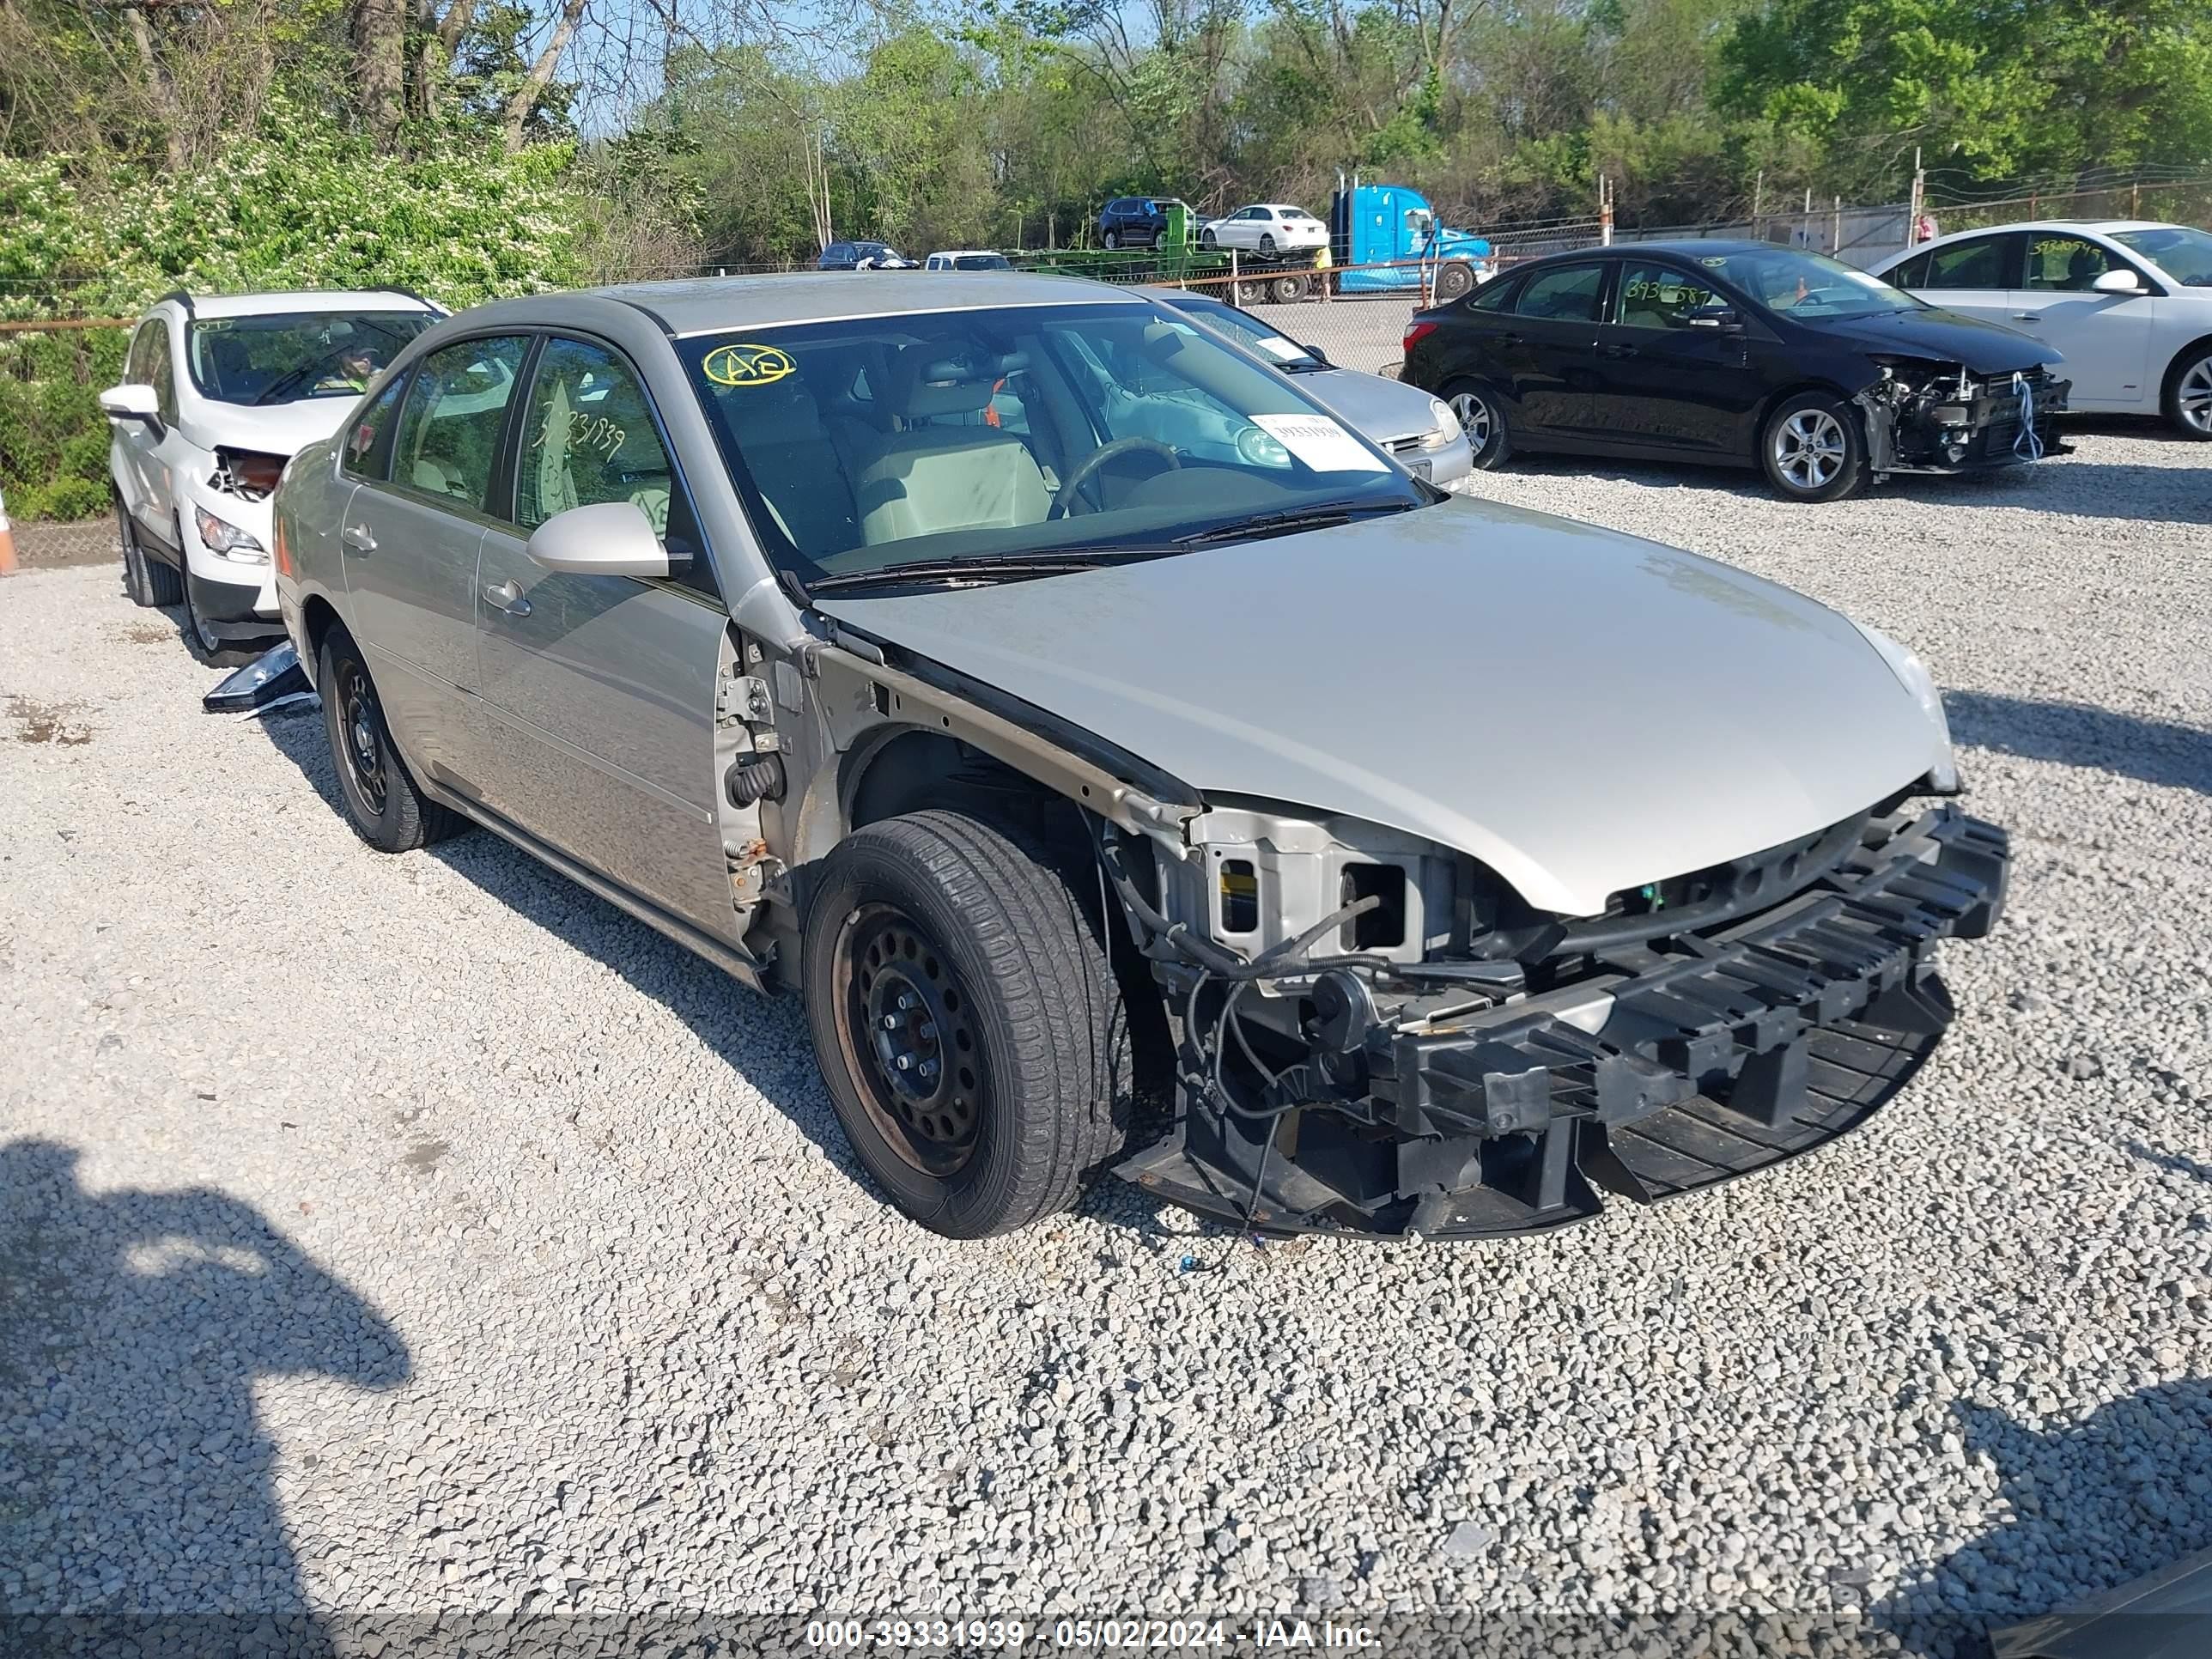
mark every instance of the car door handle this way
{"type": "Point", "coordinates": [356, 536]}
{"type": "Point", "coordinates": [2028, 316]}
{"type": "Point", "coordinates": [1616, 351]}
{"type": "Point", "coordinates": [508, 598]}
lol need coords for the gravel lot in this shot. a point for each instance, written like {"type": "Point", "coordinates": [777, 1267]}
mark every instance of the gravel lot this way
{"type": "Point", "coordinates": [378, 1235]}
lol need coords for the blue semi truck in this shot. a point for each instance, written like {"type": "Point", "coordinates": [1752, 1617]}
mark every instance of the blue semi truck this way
{"type": "Point", "coordinates": [1393, 226]}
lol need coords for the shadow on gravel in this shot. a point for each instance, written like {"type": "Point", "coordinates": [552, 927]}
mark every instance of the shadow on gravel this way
{"type": "Point", "coordinates": [134, 1478]}
{"type": "Point", "coordinates": [763, 1039]}
{"type": "Point", "coordinates": [2179, 1164]}
{"type": "Point", "coordinates": [2124, 1492]}
{"type": "Point", "coordinates": [2076, 734]}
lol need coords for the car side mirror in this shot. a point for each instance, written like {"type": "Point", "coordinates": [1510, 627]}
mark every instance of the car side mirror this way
{"type": "Point", "coordinates": [607, 538]}
{"type": "Point", "coordinates": [132, 403]}
{"type": "Point", "coordinates": [1723, 318]}
{"type": "Point", "coordinates": [2118, 281]}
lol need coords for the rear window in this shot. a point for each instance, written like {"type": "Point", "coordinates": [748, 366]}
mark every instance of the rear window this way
{"type": "Point", "coordinates": [1569, 295]}
{"type": "Point", "coordinates": [291, 355]}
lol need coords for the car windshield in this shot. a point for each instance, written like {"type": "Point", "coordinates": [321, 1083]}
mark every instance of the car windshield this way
{"type": "Point", "coordinates": [294, 354]}
{"type": "Point", "coordinates": [1249, 331]}
{"type": "Point", "coordinates": [2182, 253]}
{"type": "Point", "coordinates": [979, 262]}
{"type": "Point", "coordinates": [1043, 433]}
{"type": "Point", "coordinates": [1807, 286]}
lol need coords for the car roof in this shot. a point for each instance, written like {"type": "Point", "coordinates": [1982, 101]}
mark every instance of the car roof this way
{"type": "Point", "coordinates": [713, 305]}
{"type": "Point", "coordinates": [2095, 227]}
{"type": "Point", "coordinates": [283, 301]}
{"type": "Point", "coordinates": [960, 253]}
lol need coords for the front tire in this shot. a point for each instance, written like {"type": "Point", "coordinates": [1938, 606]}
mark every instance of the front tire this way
{"type": "Point", "coordinates": [1482, 417]}
{"type": "Point", "coordinates": [382, 803]}
{"type": "Point", "coordinates": [2189, 392]}
{"type": "Point", "coordinates": [148, 581]}
{"type": "Point", "coordinates": [1812, 449]}
{"type": "Point", "coordinates": [975, 1047]}
{"type": "Point", "coordinates": [1454, 281]}
{"type": "Point", "coordinates": [1207, 239]}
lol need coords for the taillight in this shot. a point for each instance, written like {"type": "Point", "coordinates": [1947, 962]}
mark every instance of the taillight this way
{"type": "Point", "coordinates": [1416, 333]}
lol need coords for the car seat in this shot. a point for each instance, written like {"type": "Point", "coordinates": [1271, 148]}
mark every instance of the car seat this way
{"type": "Point", "coordinates": [927, 479]}
{"type": "Point", "coordinates": [2083, 269]}
{"type": "Point", "coordinates": [800, 472]}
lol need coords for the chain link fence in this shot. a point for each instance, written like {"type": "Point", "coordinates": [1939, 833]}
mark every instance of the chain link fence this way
{"type": "Point", "coordinates": [43, 544]}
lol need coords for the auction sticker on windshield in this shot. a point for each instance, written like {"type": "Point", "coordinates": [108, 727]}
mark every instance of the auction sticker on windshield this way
{"type": "Point", "coordinates": [747, 365]}
{"type": "Point", "coordinates": [1320, 442]}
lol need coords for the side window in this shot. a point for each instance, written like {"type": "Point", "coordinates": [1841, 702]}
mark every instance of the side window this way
{"type": "Point", "coordinates": [1659, 296]}
{"type": "Point", "coordinates": [142, 352]}
{"type": "Point", "coordinates": [1913, 273]}
{"type": "Point", "coordinates": [1569, 293]}
{"type": "Point", "coordinates": [1978, 264]}
{"type": "Point", "coordinates": [1497, 295]}
{"type": "Point", "coordinates": [2067, 264]}
{"type": "Point", "coordinates": [367, 451]}
{"type": "Point", "coordinates": [160, 373]}
{"type": "Point", "coordinates": [447, 442]}
{"type": "Point", "coordinates": [588, 436]}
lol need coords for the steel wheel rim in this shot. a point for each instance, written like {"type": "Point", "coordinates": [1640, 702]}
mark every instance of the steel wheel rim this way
{"type": "Point", "coordinates": [2195, 396]}
{"type": "Point", "coordinates": [1808, 448]}
{"type": "Point", "coordinates": [357, 725]}
{"type": "Point", "coordinates": [907, 1023]}
{"type": "Point", "coordinates": [1473, 419]}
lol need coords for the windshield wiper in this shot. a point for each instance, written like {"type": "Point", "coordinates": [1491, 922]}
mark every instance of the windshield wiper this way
{"type": "Point", "coordinates": [284, 381]}
{"type": "Point", "coordinates": [1321, 515]}
{"type": "Point", "coordinates": [1017, 566]}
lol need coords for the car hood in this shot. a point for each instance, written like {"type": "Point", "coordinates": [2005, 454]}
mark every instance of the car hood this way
{"type": "Point", "coordinates": [1582, 711]}
{"type": "Point", "coordinates": [1384, 409]}
{"type": "Point", "coordinates": [279, 430]}
{"type": "Point", "coordinates": [1983, 347]}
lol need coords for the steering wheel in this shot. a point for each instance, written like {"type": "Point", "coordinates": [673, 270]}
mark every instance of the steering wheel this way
{"type": "Point", "coordinates": [1064, 498]}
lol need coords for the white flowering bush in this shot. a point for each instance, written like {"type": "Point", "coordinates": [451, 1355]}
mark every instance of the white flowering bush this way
{"type": "Point", "coordinates": [295, 203]}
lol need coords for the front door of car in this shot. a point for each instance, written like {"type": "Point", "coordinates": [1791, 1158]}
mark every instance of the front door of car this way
{"type": "Point", "coordinates": [409, 546]}
{"type": "Point", "coordinates": [1974, 277]}
{"type": "Point", "coordinates": [156, 452]}
{"type": "Point", "coordinates": [2106, 338]}
{"type": "Point", "coordinates": [600, 690]}
{"type": "Point", "coordinates": [1546, 351]}
{"type": "Point", "coordinates": [1670, 372]}
{"type": "Point", "coordinates": [131, 443]}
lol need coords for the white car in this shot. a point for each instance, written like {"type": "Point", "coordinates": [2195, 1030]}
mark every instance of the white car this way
{"type": "Point", "coordinates": [217, 394]}
{"type": "Point", "coordinates": [968, 258]}
{"type": "Point", "coordinates": [2127, 302]}
{"type": "Point", "coordinates": [1266, 229]}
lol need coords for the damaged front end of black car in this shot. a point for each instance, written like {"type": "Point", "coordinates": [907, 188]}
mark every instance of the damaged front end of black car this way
{"type": "Point", "coordinates": [1699, 1030]}
{"type": "Point", "coordinates": [1924, 417]}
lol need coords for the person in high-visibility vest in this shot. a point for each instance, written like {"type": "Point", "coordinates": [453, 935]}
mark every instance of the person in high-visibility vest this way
{"type": "Point", "coordinates": [1325, 265]}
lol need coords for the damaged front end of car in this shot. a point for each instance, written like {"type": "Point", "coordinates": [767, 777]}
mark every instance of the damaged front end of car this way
{"type": "Point", "coordinates": [1923, 417]}
{"type": "Point", "coordinates": [1375, 1035]}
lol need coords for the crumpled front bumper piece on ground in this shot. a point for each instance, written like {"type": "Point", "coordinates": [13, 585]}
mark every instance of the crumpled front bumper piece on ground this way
{"type": "Point", "coordinates": [1674, 1066]}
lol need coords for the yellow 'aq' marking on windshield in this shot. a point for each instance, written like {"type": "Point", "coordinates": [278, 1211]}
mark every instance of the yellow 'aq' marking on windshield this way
{"type": "Point", "coordinates": [748, 365]}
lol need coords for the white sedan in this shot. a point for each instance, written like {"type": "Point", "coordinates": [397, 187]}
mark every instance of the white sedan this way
{"type": "Point", "coordinates": [1266, 229]}
{"type": "Point", "coordinates": [2128, 304]}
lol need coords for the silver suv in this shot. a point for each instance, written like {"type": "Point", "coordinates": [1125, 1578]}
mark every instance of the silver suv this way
{"type": "Point", "coordinates": [1133, 766]}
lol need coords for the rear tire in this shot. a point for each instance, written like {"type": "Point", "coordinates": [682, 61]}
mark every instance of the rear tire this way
{"type": "Point", "coordinates": [1482, 417]}
{"type": "Point", "coordinates": [1207, 239]}
{"type": "Point", "coordinates": [975, 1047]}
{"type": "Point", "coordinates": [2188, 398]}
{"type": "Point", "coordinates": [382, 803]}
{"type": "Point", "coordinates": [1267, 245]}
{"type": "Point", "coordinates": [1113, 240]}
{"type": "Point", "coordinates": [1813, 449]}
{"type": "Point", "coordinates": [1287, 290]}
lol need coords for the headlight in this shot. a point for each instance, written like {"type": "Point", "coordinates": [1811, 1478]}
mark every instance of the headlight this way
{"type": "Point", "coordinates": [1912, 674]}
{"type": "Point", "coordinates": [1447, 427]}
{"type": "Point", "coordinates": [220, 536]}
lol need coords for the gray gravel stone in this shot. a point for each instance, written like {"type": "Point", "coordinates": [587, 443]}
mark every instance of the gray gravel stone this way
{"type": "Point", "coordinates": [698, 1364]}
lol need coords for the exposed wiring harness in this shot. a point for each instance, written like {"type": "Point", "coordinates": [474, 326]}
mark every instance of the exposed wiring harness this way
{"type": "Point", "coordinates": [2027, 443]}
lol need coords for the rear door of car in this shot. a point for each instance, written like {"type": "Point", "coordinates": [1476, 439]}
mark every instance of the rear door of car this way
{"type": "Point", "coordinates": [1546, 350]}
{"type": "Point", "coordinates": [600, 690]}
{"type": "Point", "coordinates": [410, 542]}
{"type": "Point", "coordinates": [1663, 379]}
{"type": "Point", "coordinates": [1974, 276]}
{"type": "Point", "coordinates": [2106, 338]}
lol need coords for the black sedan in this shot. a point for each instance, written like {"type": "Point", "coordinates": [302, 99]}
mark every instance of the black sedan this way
{"type": "Point", "coordinates": [1740, 354]}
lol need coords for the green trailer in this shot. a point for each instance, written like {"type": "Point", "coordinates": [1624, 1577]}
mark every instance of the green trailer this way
{"type": "Point", "coordinates": [1181, 258]}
